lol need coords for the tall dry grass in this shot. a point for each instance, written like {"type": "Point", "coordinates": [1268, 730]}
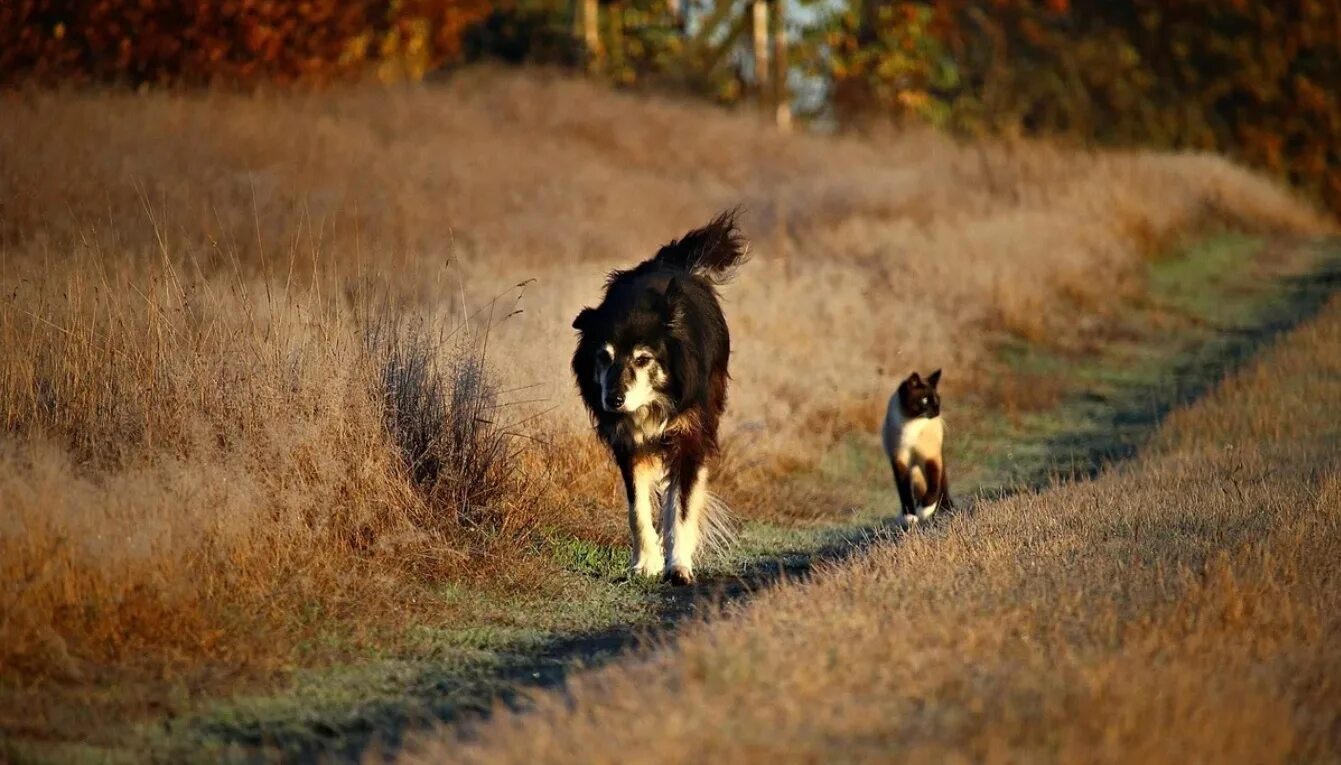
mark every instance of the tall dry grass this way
{"type": "Point", "coordinates": [209, 454]}
{"type": "Point", "coordinates": [192, 471]}
{"type": "Point", "coordinates": [1180, 608]}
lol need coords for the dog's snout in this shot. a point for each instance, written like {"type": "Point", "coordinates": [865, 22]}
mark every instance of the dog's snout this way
{"type": "Point", "coordinates": [614, 401]}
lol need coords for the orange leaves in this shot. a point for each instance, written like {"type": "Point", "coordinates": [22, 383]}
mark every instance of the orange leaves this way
{"type": "Point", "coordinates": [889, 59]}
{"type": "Point", "coordinates": [1312, 97]}
{"type": "Point", "coordinates": [231, 42]}
{"type": "Point", "coordinates": [1252, 79]}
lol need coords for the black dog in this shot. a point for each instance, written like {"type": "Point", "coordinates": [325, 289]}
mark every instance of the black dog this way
{"type": "Point", "coordinates": [651, 363]}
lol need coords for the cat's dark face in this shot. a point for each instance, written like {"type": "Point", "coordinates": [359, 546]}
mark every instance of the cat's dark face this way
{"type": "Point", "coordinates": [918, 397]}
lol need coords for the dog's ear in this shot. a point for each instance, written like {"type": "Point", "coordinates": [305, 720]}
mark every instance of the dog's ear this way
{"type": "Point", "coordinates": [914, 379]}
{"type": "Point", "coordinates": [934, 378]}
{"type": "Point", "coordinates": [673, 291]}
{"type": "Point", "coordinates": [585, 318]}
{"type": "Point", "coordinates": [672, 303]}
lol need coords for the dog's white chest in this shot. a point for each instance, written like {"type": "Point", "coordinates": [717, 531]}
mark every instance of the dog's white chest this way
{"type": "Point", "coordinates": [647, 426]}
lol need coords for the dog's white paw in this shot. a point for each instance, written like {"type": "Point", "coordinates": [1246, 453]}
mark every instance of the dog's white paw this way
{"type": "Point", "coordinates": [926, 512]}
{"type": "Point", "coordinates": [650, 567]}
{"type": "Point", "coordinates": [908, 521]}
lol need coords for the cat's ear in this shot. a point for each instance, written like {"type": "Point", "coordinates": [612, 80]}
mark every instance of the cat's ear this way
{"type": "Point", "coordinates": [934, 378]}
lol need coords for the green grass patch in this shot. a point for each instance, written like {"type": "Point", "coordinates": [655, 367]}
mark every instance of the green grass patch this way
{"type": "Point", "coordinates": [591, 558]}
{"type": "Point", "coordinates": [1205, 279]}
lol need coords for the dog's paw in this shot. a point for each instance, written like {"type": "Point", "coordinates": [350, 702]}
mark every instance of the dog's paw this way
{"type": "Point", "coordinates": [908, 521]}
{"type": "Point", "coordinates": [926, 512]}
{"type": "Point", "coordinates": [649, 568]}
{"type": "Point", "coordinates": [680, 576]}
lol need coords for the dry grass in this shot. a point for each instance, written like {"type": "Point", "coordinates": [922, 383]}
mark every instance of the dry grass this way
{"type": "Point", "coordinates": [183, 478]}
{"type": "Point", "coordinates": [1182, 608]}
{"type": "Point", "coordinates": [201, 459]}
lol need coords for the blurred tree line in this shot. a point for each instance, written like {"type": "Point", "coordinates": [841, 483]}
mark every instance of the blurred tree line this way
{"type": "Point", "coordinates": [1257, 80]}
{"type": "Point", "coordinates": [229, 42]}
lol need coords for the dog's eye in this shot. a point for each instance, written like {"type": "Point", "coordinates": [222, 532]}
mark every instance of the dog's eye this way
{"type": "Point", "coordinates": [641, 361]}
{"type": "Point", "coordinates": [925, 400]}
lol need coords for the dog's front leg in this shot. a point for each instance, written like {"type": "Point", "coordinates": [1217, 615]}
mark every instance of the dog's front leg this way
{"type": "Point", "coordinates": [642, 476]}
{"type": "Point", "coordinates": [682, 514]}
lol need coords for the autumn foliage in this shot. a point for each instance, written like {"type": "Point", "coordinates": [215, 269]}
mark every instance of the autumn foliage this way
{"type": "Point", "coordinates": [228, 42]}
{"type": "Point", "coordinates": [1256, 80]}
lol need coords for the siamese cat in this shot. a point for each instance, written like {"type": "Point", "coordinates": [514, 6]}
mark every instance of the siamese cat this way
{"type": "Point", "coordinates": [913, 436]}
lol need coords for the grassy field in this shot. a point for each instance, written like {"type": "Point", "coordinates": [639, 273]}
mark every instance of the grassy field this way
{"type": "Point", "coordinates": [284, 378]}
{"type": "Point", "coordinates": [1180, 607]}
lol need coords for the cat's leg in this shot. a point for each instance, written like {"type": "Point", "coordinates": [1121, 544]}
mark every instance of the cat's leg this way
{"type": "Point", "coordinates": [903, 481]}
{"type": "Point", "coordinates": [935, 489]}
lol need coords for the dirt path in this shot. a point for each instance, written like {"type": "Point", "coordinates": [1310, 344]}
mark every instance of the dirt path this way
{"type": "Point", "coordinates": [1100, 428]}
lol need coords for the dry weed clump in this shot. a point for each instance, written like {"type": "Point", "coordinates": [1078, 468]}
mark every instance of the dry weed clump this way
{"type": "Point", "coordinates": [447, 424]}
{"type": "Point", "coordinates": [204, 447]}
{"type": "Point", "coordinates": [1180, 607]}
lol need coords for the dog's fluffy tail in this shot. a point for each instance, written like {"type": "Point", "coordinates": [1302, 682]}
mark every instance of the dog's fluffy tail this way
{"type": "Point", "coordinates": [717, 529]}
{"type": "Point", "coordinates": [714, 251]}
